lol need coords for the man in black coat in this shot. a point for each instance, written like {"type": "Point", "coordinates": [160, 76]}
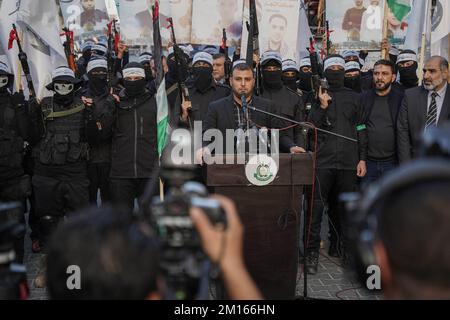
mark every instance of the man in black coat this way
{"type": "Point", "coordinates": [381, 106]}
{"type": "Point", "coordinates": [100, 105]}
{"type": "Point", "coordinates": [134, 151]}
{"type": "Point", "coordinates": [202, 91]}
{"type": "Point", "coordinates": [288, 103]}
{"type": "Point", "coordinates": [228, 112]}
{"type": "Point", "coordinates": [339, 161]}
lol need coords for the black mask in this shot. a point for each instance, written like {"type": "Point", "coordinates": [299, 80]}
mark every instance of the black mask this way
{"type": "Point", "coordinates": [353, 83]}
{"type": "Point", "coordinates": [335, 78]}
{"type": "Point", "coordinates": [202, 78]}
{"type": "Point", "coordinates": [305, 81]}
{"type": "Point", "coordinates": [134, 88]}
{"type": "Point", "coordinates": [272, 79]}
{"type": "Point", "coordinates": [290, 82]}
{"type": "Point", "coordinates": [98, 84]}
{"type": "Point", "coordinates": [408, 76]}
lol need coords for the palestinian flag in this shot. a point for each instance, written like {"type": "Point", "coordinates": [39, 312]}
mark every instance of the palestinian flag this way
{"type": "Point", "coordinates": [162, 118]}
{"type": "Point", "coordinates": [400, 8]}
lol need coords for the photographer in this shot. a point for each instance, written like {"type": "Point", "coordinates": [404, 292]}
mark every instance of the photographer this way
{"type": "Point", "coordinates": [120, 258]}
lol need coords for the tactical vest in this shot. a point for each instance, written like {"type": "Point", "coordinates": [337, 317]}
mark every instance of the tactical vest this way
{"type": "Point", "coordinates": [11, 144]}
{"type": "Point", "coordinates": [62, 143]}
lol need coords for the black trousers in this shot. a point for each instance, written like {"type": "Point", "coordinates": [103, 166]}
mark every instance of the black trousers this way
{"type": "Point", "coordinates": [98, 174]}
{"type": "Point", "coordinates": [330, 183]}
{"type": "Point", "coordinates": [54, 198]}
{"type": "Point", "coordinates": [16, 190]}
{"type": "Point", "coordinates": [124, 191]}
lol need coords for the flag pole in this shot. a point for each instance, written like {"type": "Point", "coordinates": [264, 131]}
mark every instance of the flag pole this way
{"type": "Point", "coordinates": [385, 53]}
{"type": "Point", "coordinates": [423, 42]}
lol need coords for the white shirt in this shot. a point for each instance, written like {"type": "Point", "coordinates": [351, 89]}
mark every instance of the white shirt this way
{"type": "Point", "coordinates": [439, 100]}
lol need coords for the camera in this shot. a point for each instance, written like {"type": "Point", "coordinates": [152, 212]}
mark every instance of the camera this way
{"type": "Point", "coordinates": [182, 259]}
{"type": "Point", "coordinates": [13, 277]}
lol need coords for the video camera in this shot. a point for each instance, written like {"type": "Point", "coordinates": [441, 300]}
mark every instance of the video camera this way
{"type": "Point", "coordinates": [13, 277]}
{"type": "Point", "coordinates": [182, 259]}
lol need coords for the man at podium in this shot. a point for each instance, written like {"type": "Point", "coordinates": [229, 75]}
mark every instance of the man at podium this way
{"type": "Point", "coordinates": [231, 112]}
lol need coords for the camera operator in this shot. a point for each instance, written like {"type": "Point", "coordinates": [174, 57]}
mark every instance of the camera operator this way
{"type": "Point", "coordinates": [120, 256]}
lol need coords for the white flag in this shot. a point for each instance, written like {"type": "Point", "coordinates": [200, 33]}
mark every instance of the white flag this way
{"type": "Point", "coordinates": [416, 25]}
{"type": "Point", "coordinates": [441, 48]}
{"type": "Point", "coordinates": [8, 14]}
{"type": "Point", "coordinates": [304, 33]}
{"type": "Point", "coordinates": [41, 41]}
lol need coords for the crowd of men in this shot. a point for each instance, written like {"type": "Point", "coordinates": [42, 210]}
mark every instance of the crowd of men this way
{"type": "Point", "coordinates": [96, 134]}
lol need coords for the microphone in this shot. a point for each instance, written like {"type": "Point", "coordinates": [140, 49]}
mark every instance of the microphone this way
{"type": "Point", "coordinates": [244, 103]}
{"type": "Point", "coordinates": [244, 108]}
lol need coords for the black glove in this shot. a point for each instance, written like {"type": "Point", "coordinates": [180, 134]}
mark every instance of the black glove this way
{"type": "Point", "coordinates": [18, 99]}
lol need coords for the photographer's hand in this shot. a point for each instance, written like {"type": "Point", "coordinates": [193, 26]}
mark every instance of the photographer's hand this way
{"type": "Point", "coordinates": [224, 247]}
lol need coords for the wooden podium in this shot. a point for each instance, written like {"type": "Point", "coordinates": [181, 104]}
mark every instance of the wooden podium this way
{"type": "Point", "coordinates": [270, 215]}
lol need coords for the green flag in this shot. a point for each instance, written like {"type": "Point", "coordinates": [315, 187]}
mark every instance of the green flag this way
{"type": "Point", "coordinates": [400, 8]}
{"type": "Point", "coordinates": [162, 119]}
{"type": "Point", "coordinates": [163, 128]}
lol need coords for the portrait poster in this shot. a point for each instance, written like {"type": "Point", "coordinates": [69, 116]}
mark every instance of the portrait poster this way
{"type": "Point", "coordinates": [86, 18]}
{"type": "Point", "coordinates": [217, 15]}
{"type": "Point", "coordinates": [278, 27]}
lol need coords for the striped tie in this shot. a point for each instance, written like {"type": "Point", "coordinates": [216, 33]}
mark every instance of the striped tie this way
{"type": "Point", "coordinates": [432, 112]}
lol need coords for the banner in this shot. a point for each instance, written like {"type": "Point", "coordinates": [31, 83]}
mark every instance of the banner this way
{"type": "Point", "coordinates": [358, 24]}
{"type": "Point", "coordinates": [440, 20]}
{"type": "Point", "coordinates": [86, 18]}
{"type": "Point", "coordinates": [304, 33]}
{"type": "Point", "coordinates": [278, 27]}
{"type": "Point", "coordinates": [41, 41]}
{"type": "Point", "coordinates": [210, 17]}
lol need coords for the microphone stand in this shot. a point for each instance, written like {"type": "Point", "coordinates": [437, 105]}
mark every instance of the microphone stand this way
{"type": "Point", "coordinates": [303, 124]}
{"type": "Point", "coordinates": [247, 123]}
{"type": "Point", "coordinates": [308, 126]}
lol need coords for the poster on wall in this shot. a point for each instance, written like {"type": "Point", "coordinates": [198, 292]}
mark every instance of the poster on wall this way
{"type": "Point", "coordinates": [278, 26]}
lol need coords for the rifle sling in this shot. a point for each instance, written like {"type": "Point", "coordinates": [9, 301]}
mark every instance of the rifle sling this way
{"type": "Point", "coordinates": [65, 113]}
{"type": "Point", "coordinates": [172, 89]}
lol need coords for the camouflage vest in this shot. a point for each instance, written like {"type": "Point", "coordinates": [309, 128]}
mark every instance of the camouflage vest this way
{"type": "Point", "coordinates": [62, 143]}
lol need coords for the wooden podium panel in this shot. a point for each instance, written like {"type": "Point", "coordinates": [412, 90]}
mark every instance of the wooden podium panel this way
{"type": "Point", "coordinates": [270, 216]}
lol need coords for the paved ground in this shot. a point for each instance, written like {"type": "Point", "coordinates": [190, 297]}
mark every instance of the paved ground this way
{"type": "Point", "coordinates": [332, 282]}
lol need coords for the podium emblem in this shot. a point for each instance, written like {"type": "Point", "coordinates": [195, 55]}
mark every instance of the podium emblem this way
{"type": "Point", "coordinates": [261, 170]}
